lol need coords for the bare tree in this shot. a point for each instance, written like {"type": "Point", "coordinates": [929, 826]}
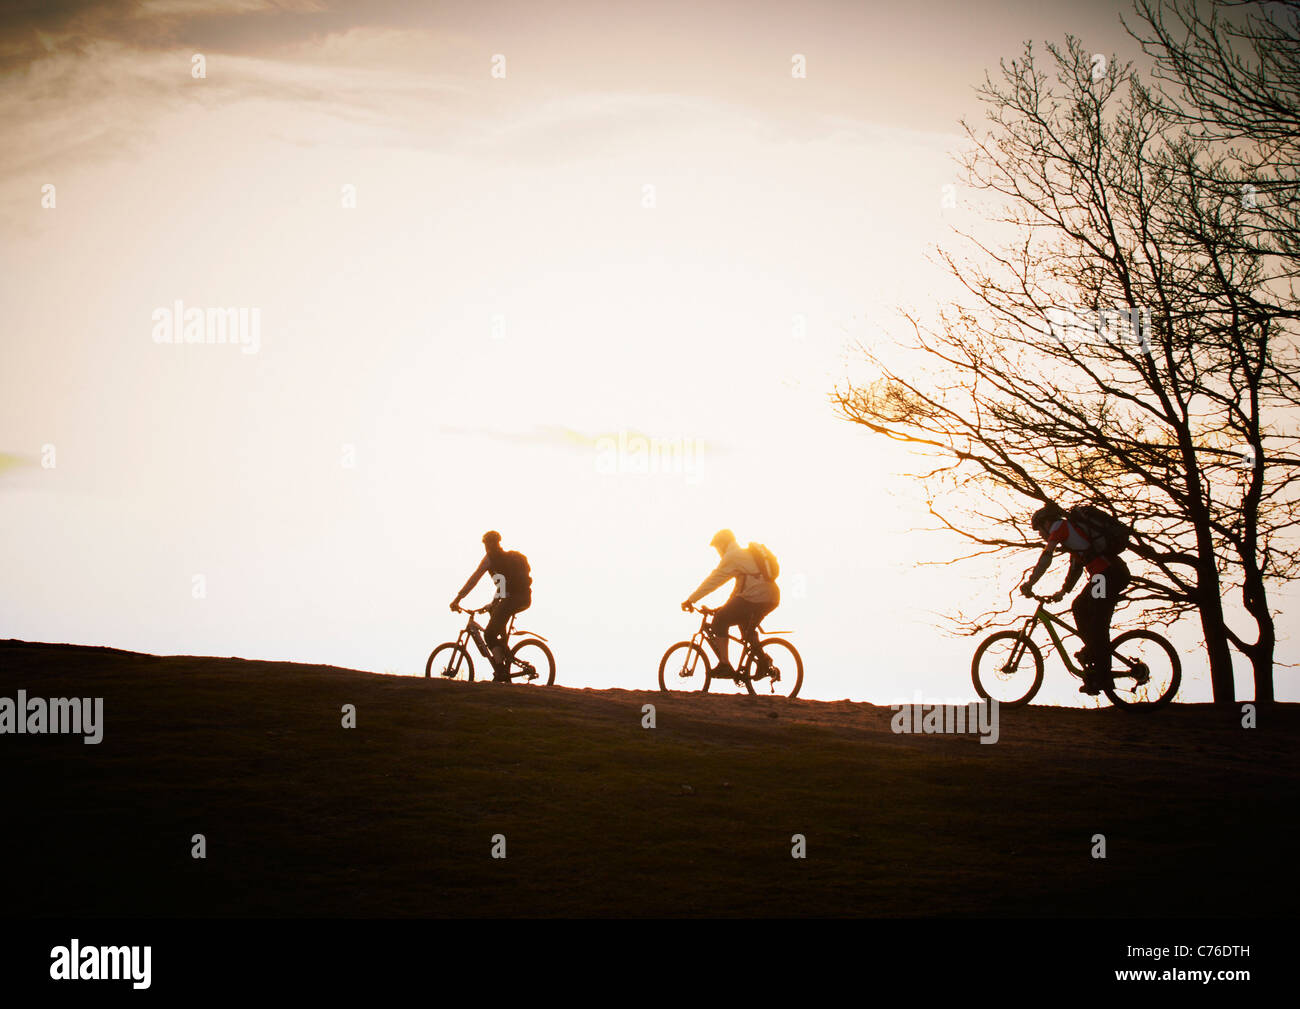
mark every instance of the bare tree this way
{"type": "Point", "coordinates": [1229, 73]}
{"type": "Point", "coordinates": [1105, 355]}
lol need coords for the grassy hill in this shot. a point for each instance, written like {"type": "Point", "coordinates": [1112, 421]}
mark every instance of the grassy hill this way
{"type": "Point", "coordinates": [602, 817]}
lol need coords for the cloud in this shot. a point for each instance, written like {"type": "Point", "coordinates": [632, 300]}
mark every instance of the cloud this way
{"type": "Point", "coordinates": [538, 435]}
{"type": "Point", "coordinates": [105, 98]}
{"type": "Point", "coordinates": [33, 31]}
{"type": "Point", "coordinates": [196, 8]}
{"type": "Point", "coordinates": [560, 436]}
{"type": "Point", "coordinates": [12, 461]}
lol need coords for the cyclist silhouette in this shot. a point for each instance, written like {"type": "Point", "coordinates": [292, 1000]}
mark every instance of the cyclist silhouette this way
{"type": "Point", "coordinates": [1095, 605]}
{"type": "Point", "coordinates": [514, 594]}
{"type": "Point", "coordinates": [752, 598]}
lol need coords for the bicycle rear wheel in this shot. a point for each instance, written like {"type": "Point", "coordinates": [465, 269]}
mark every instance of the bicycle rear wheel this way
{"type": "Point", "coordinates": [532, 662]}
{"type": "Point", "coordinates": [684, 668]}
{"type": "Point", "coordinates": [1138, 654]}
{"type": "Point", "coordinates": [784, 673]}
{"type": "Point", "coordinates": [1007, 668]}
{"type": "Point", "coordinates": [449, 661]}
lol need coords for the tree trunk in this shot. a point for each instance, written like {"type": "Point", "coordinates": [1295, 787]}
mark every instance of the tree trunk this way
{"type": "Point", "coordinates": [1255, 597]}
{"type": "Point", "coordinates": [1217, 646]}
{"type": "Point", "coordinates": [1261, 657]}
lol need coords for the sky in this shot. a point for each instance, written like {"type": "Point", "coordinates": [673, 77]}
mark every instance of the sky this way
{"type": "Point", "coordinates": [488, 254]}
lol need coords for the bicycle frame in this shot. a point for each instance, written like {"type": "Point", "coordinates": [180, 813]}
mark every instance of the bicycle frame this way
{"type": "Point", "coordinates": [701, 638]}
{"type": "Point", "coordinates": [1051, 621]}
{"type": "Point", "coordinates": [473, 631]}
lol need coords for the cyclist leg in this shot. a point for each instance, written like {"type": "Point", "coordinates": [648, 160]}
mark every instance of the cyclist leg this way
{"type": "Point", "coordinates": [494, 635]}
{"type": "Point", "coordinates": [1115, 581]}
{"type": "Point", "coordinates": [758, 612]}
{"type": "Point", "coordinates": [1084, 608]}
{"type": "Point", "coordinates": [728, 615]}
{"type": "Point", "coordinates": [1093, 609]}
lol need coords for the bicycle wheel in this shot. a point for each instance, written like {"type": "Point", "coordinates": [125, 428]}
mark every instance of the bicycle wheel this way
{"type": "Point", "coordinates": [449, 661]}
{"type": "Point", "coordinates": [784, 675]}
{"type": "Point", "coordinates": [1001, 671]}
{"type": "Point", "coordinates": [684, 667]}
{"type": "Point", "coordinates": [532, 662]}
{"type": "Point", "coordinates": [1152, 655]}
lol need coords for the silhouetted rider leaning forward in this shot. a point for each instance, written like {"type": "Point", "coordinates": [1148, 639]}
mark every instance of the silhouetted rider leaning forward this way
{"type": "Point", "coordinates": [514, 594]}
{"type": "Point", "coordinates": [752, 598]}
{"type": "Point", "coordinates": [1093, 607]}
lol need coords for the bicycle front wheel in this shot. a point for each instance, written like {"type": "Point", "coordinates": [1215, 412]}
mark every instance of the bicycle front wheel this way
{"type": "Point", "coordinates": [532, 662]}
{"type": "Point", "coordinates": [784, 673]}
{"type": "Point", "coordinates": [684, 668]}
{"type": "Point", "coordinates": [449, 662]}
{"type": "Point", "coordinates": [1146, 670]}
{"type": "Point", "coordinates": [1007, 668]}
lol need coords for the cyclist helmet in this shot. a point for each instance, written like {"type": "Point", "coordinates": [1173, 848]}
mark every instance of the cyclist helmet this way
{"type": "Point", "coordinates": [1045, 516]}
{"type": "Point", "coordinates": [491, 538]}
{"type": "Point", "coordinates": [723, 538]}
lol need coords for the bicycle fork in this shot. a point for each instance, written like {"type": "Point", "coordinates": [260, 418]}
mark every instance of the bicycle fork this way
{"type": "Point", "coordinates": [1022, 642]}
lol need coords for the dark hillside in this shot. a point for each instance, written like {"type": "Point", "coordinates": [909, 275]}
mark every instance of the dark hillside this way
{"type": "Point", "coordinates": [602, 817]}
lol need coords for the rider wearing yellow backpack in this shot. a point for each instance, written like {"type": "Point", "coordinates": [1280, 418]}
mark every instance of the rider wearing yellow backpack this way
{"type": "Point", "coordinates": [753, 597]}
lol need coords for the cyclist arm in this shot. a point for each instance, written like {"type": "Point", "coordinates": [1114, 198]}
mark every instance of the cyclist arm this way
{"type": "Point", "coordinates": [1040, 569]}
{"type": "Point", "coordinates": [1072, 576]}
{"type": "Point", "coordinates": [720, 575]}
{"type": "Point", "coordinates": [1055, 540]}
{"type": "Point", "coordinates": [469, 585]}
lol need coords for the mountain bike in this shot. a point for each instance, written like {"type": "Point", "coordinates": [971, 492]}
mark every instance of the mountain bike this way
{"type": "Point", "coordinates": [775, 664]}
{"type": "Point", "coordinates": [530, 659]}
{"type": "Point", "coordinates": [1008, 667]}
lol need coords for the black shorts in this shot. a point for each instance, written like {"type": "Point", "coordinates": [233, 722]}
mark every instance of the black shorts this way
{"type": "Point", "coordinates": [742, 613]}
{"type": "Point", "coordinates": [502, 611]}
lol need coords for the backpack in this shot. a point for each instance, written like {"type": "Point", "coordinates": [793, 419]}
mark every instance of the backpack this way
{"type": "Point", "coordinates": [1107, 534]}
{"type": "Point", "coordinates": [519, 579]}
{"type": "Point", "coordinates": [768, 568]}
